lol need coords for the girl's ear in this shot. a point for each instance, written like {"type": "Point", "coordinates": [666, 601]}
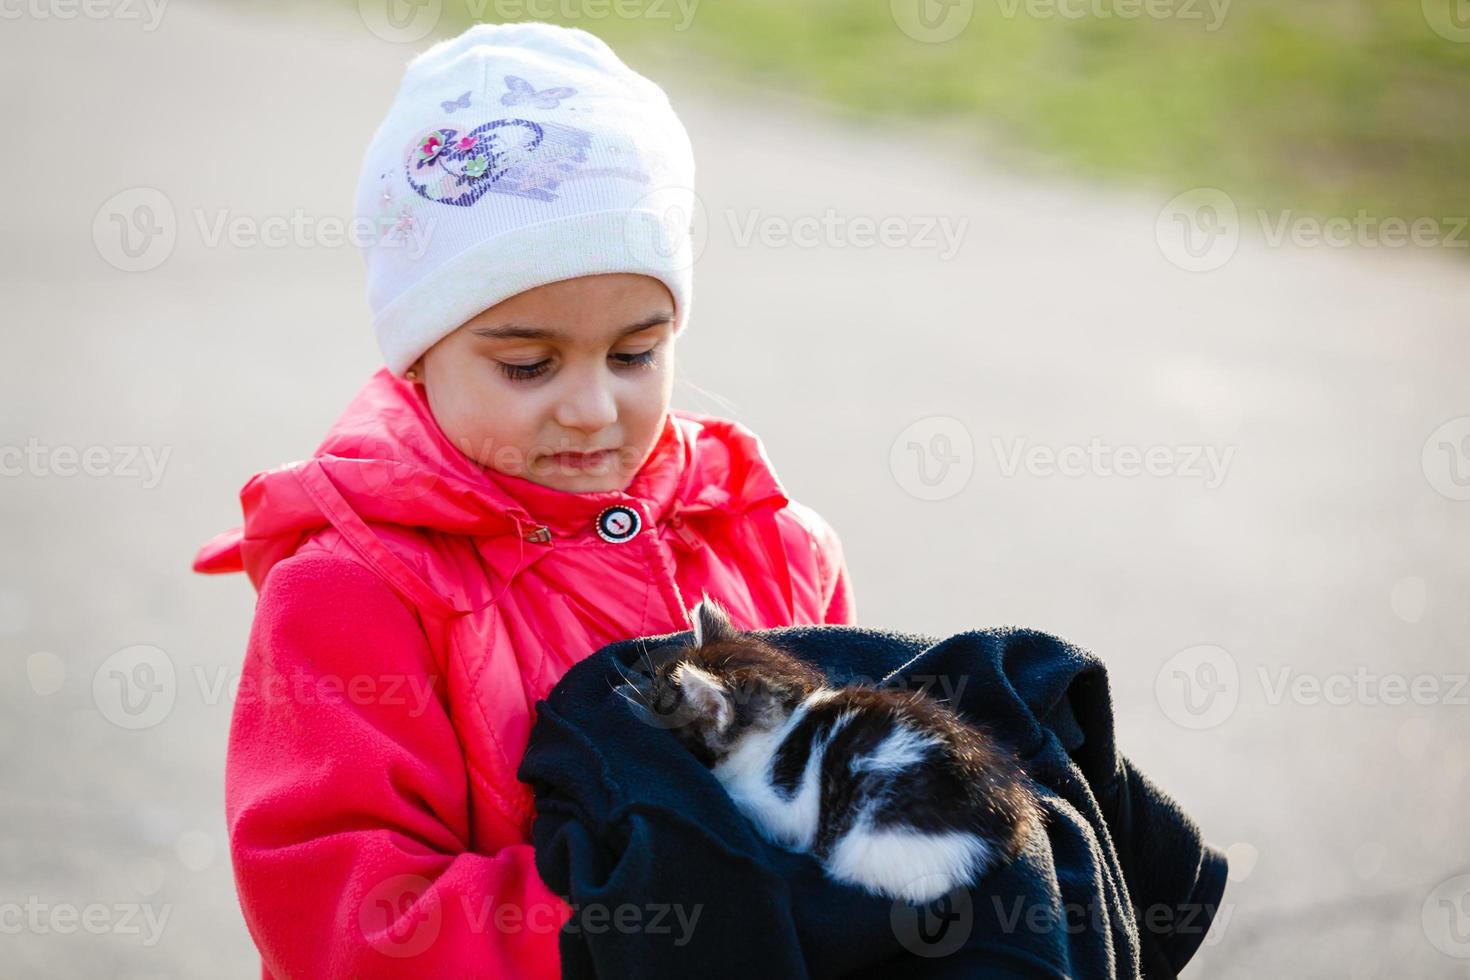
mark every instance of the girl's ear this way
{"type": "Point", "coordinates": [710, 623]}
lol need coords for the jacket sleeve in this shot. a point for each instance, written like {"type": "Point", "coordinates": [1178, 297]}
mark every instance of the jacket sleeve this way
{"type": "Point", "coordinates": [839, 607]}
{"type": "Point", "coordinates": [347, 798]}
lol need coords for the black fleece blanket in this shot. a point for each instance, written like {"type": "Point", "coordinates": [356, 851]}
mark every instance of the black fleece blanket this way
{"type": "Point", "coordinates": [668, 879]}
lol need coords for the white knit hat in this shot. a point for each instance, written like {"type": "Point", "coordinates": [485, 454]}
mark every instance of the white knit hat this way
{"type": "Point", "coordinates": [516, 155]}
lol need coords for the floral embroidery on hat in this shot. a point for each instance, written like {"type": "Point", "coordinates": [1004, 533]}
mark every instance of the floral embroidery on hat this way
{"type": "Point", "coordinates": [431, 146]}
{"type": "Point", "coordinates": [523, 92]}
{"type": "Point", "coordinates": [504, 156]}
{"type": "Point", "coordinates": [395, 222]}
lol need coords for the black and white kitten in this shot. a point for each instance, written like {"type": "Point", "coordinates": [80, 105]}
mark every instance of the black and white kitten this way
{"type": "Point", "coordinates": [890, 790]}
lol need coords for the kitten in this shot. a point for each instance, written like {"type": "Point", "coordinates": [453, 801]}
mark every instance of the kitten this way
{"type": "Point", "coordinates": [890, 790]}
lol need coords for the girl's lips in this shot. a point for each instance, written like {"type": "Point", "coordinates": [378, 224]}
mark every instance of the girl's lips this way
{"type": "Point", "coordinates": [582, 461]}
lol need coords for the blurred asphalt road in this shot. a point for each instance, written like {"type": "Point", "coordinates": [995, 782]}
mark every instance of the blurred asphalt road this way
{"type": "Point", "coordinates": [1260, 619]}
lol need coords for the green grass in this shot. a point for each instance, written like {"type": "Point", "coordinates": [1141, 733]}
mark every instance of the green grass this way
{"type": "Point", "coordinates": [1321, 106]}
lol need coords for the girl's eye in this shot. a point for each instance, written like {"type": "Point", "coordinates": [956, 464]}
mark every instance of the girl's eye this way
{"type": "Point", "coordinates": [636, 360]}
{"type": "Point", "coordinates": [525, 372]}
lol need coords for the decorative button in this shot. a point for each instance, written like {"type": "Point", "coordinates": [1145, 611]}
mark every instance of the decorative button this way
{"type": "Point", "coordinates": [618, 523]}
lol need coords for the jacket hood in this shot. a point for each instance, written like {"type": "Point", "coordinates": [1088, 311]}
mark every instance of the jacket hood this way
{"type": "Point", "coordinates": [386, 461]}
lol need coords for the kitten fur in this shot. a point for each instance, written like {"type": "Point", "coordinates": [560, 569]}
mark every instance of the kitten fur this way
{"type": "Point", "coordinates": [890, 790]}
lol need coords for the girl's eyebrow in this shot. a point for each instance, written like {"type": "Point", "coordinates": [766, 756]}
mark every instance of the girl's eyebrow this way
{"type": "Point", "coordinates": [523, 331]}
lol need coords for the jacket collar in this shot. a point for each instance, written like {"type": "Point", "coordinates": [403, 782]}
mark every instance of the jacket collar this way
{"type": "Point", "coordinates": [390, 463]}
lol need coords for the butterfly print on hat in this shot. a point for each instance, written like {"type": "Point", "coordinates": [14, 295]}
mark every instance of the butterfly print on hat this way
{"type": "Point", "coordinates": [505, 156]}
{"type": "Point", "coordinates": [523, 92]}
{"type": "Point", "coordinates": [463, 102]}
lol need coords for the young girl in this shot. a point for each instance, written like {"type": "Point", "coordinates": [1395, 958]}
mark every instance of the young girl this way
{"type": "Point", "coordinates": [509, 494]}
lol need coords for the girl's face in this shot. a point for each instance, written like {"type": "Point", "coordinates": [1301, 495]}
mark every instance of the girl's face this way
{"type": "Point", "coordinates": [578, 366]}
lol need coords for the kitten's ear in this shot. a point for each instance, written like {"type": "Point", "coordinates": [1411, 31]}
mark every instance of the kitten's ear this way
{"type": "Point", "coordinates": [710, 622]}
{"type": "Point", "coordinates": [706, 695]}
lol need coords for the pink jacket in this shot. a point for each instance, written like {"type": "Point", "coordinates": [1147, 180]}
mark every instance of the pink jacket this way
{"type": "Point", "coordinates": [413, 607]}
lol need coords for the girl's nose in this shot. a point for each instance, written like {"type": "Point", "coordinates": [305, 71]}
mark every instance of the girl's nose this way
{"type": "Point", "coordinates": [588, 406]}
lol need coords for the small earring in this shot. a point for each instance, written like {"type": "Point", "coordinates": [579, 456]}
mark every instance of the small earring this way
{"type": "Point", "coordinates": [411, 374]}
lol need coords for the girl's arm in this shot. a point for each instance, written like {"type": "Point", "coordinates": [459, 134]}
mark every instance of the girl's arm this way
{"type": "Point", "coordinates": [841, 610]}
{"type": "Point", "coordinates": [347, 798]}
